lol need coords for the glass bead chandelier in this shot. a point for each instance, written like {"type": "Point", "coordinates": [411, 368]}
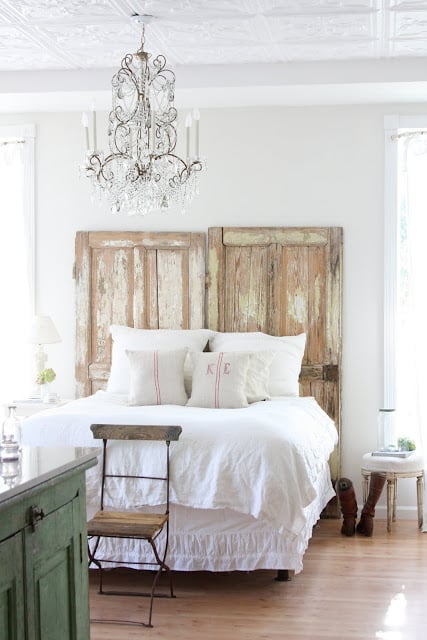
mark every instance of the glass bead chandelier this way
{"type": "Point", "coordinates": [142, 172]}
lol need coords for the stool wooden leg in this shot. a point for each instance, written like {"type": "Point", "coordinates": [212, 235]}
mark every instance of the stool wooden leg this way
{"type": "Point", "coordinates": [365, 487]}
{"type": "Point", "coordinates": [420, 495]}
{"type": "Point", "coordinates": [390, 502]}
{"type": "Point", "coordinates": [394, 499]}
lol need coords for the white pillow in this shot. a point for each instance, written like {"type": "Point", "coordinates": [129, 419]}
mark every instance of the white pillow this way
{"type": "Point", "coordinates": [219, 380]}
{"type": "Point", "coordinates": [157, 377]}
{"type": "Point", "coordinates": [151, 339]}
{"type": "Point", "coordinates": [286, 364]}
{"type": "Point", "coordinates": [258, 376]}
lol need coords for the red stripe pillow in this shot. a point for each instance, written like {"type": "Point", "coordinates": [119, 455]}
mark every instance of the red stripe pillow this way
{"type": "Point", "coordinates": [219, 380]}
{"type": "Point", "coordinates": [157, 377]}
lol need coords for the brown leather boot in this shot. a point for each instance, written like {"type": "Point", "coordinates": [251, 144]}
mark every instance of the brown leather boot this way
{"type": "Point", "coordinates": [348, 504]}
{"type": "Point", "coordinates": [366, 522]}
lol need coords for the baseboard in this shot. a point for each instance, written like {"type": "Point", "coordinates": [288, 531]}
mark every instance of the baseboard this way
{"type": "Point", "coordinates": [403, 513]}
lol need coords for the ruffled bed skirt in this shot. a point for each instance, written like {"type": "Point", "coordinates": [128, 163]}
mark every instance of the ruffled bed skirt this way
{"type": "Point", "coordinates": [224, 540]}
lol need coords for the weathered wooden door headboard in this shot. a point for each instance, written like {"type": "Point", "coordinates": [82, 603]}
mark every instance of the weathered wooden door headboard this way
{"type": "Point", "coordinates": [284, 281]}
{"type": "Point", "coordinates": [139, 279]}
{"type": "Point", "coordinates": [280, 280]}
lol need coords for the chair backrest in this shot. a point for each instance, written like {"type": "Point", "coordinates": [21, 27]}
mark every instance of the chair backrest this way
{"type": "Point", "coordinates": [151, 433]}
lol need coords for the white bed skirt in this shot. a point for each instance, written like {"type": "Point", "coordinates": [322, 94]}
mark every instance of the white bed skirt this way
{"type": "Point", "coordinates": [224, 540]}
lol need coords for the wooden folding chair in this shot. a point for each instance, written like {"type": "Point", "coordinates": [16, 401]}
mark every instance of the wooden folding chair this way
{"type": "Point", "coordinates": [132, 524]}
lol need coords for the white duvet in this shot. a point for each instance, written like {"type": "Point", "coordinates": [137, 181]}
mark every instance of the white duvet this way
{"type": "Point", "coordinates": [263, 460]}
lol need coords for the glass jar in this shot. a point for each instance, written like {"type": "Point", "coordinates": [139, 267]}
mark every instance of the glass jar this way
{"type": "Point", "coordinates": [387, 432]}
{"type": "Point", "coordinates": [10, 445]}
{"type": "Point", "coordinates": [10, 472]}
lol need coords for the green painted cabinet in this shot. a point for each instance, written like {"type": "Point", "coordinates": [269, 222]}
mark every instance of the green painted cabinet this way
{"type": "Point", "coordinates": [12, 612]}
{"type": "Point", "coordinates": [43, 559]}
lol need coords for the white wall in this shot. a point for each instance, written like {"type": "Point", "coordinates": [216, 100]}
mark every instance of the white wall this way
{"type": "Point", "coordinates": [275, 166]}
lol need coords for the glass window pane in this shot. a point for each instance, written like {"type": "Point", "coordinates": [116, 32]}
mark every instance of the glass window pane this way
{"type": "Point", "coordinates": [15, 369]}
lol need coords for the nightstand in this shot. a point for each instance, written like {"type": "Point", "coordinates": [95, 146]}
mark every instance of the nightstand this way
{"type": "Point", "coordinates": [46, 455]}
{"type": "Point", "coordinates": [25, 409]}
{"type": "Point", "coordinates": [29, 407]}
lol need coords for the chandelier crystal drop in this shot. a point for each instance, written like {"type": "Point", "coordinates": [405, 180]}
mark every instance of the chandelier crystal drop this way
{"type": "Point", "coordinates": [142, 172]}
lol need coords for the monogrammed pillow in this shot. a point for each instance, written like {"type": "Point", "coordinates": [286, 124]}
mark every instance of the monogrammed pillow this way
{"type": "Point", "coordinates": [157, 377]}
{"type": "Point", "coordinates": [219, 380]}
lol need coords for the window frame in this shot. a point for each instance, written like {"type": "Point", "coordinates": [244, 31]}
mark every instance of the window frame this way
{"type": "Point", "coordinates": [393, 124]}
{"type": "Point", "coordinates": [28, 133]}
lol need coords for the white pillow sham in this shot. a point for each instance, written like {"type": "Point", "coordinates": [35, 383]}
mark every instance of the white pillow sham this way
{"type": "Point", "coordinates": [219, 380]}
{"type": "Point", "coordinates": [258, 376]}
{"type": "Point", "coordinates": [286, 364]}
{"type": "Point", "coordinates": [147, 339]}
{"type": "Point", "coordinates": [157, 377]}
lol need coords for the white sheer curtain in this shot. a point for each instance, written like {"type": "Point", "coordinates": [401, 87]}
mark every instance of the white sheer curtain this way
{"type": "Point", "coordinates": [16, 260]}
{"type": "Point", "coordinates": [411, 308]}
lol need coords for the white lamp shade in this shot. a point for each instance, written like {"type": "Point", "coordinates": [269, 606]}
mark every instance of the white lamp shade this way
{"type": "Point", "coordinates": [43, 331]}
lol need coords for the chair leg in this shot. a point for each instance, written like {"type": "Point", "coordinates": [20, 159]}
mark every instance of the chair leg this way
{"type": "Point", "coordinates": [153, 588]}
{"type": "Point", "coordinates": [95, 561]}
{"type": "Point", "coordinates": [170, 583]}
{"type": "Point", "coordinates": [162, 567]}
{"type": "Point", "coordinates": [365, 487]}
{"type": "Point", "coordinates": [395, 500]}
{"type": "Point", "coordinates": [91, 553]}
{"type": "Point", "coordinates": [391, 502]}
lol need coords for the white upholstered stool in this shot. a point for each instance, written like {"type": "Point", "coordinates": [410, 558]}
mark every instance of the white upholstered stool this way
{"type": "Point", "coordinates": [394, 468]}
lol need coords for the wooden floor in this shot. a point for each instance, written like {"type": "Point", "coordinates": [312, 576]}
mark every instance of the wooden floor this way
{"type": "Point", "coordinates": [358, 587]}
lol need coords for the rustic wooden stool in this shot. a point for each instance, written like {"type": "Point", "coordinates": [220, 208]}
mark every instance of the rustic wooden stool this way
{"type": "Point", "coordinates": [394, 468]}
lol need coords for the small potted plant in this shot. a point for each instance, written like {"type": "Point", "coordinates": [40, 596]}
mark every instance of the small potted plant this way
{"type": "Point", "coordinates": [406, 444]}
{"type": "Point", "coordinates": [44, 378]}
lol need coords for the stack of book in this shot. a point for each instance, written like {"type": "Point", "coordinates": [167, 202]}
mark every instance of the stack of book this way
{"type": "Point", "coordinates": [393, 454]}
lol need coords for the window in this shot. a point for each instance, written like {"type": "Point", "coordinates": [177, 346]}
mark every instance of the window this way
{"type": "Point", "coordinates": [16, 259]}
{"type": "Point", "coordinates": [405, 266]}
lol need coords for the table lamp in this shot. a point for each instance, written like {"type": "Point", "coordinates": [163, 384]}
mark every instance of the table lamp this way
{"type": "Point", "coordinates": [42, 331]}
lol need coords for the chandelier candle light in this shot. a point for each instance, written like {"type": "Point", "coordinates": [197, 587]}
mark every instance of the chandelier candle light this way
{"type": "Point", "coordinates": [142, 172]}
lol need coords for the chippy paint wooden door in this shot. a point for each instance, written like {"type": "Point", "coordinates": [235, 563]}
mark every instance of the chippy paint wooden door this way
{"type": "Point", "coordinates": [283, 281]}
{"type": "Point", "coordinates": [145, 280]}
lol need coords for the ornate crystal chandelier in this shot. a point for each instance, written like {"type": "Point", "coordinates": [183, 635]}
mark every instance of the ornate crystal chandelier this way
{"type": "Point", "coordinates": [142, 172]}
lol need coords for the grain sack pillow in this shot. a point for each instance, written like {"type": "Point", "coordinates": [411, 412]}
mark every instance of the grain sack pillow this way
{"type": "Point", "coordinates": [219, 380]}
{"type": "Point", "coordinates": [148, 339]}
{"type": "Point", "coordinates": [157, 377]}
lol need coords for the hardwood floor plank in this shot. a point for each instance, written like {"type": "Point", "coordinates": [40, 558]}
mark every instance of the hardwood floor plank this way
{"type": "Point", "coordinates": [351, 588]}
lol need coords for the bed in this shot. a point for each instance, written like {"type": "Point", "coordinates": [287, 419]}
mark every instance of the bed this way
{"type": "Point", "coordinates": [249, 481]}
